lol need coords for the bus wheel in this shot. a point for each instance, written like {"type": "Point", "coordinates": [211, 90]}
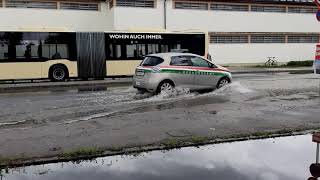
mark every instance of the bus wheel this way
{"type": "Point", "coordinates": [58, 73]}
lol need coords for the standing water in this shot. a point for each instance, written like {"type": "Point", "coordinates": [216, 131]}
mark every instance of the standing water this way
{"type": "Point", "coordinates": [269, 159]}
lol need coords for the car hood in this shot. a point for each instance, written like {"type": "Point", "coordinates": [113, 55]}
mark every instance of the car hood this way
{"type": "Point", "coordinates": [223, 68]}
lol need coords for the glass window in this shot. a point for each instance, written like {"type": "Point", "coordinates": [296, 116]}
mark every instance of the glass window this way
{"type": "Point", "coordinates": [191, 5]}
{"type": "Point", "coordinates": [268, 38]}
{"type": "Point", "coordinates": [31, 4]}
{"type": "Point", "coordinates": [136, 3]}
{"type": "Point", "coordinates": [114, 51]}
{"type": "Point", "coordinates": [228, 38]}
{"type": "Point", "coordinates": [151, 61]}
{"type": "Point", "coordinates": [302, 9]}
{"type": "Point", "coordinates": [164, 48]}
{"type": "Point", "coordinates": [54, 47]}
{"type": "Point", "coordinates": [79, 6]}
{"type": "Point", "coordinates": [4, 51]}
{"type": "Point", "coordinates": [312, 38]}
{"type": "Point", "coordinates": [27, 49]}
{"type": "Point", "coordinates": [228, 7]}
{"type": "Point", "coordinates": [199, 62]}
{"type": "Point", "coordinates": [135, 51]}
{"type": "Point", "coordinates": [262, 8]}
{"type": "Point", "coordinates": [26, 46]}
{"type": "Point", "coordinates": [180, 61]}
{"type": "Point", "coordinates": [153, 48]}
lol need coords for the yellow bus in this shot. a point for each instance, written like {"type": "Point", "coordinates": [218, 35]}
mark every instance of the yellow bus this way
{"type": "Point", "coordinates": [62, 55]}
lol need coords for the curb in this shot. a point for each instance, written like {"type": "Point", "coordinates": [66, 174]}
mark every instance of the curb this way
{"type": "Point", "coordinates": [292, 71]}
{"type": "Point", "coordinates": [51, 86]}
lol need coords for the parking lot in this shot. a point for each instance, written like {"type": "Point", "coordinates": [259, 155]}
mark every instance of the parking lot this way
{"type": "Point", "coordinates": [48, 123]}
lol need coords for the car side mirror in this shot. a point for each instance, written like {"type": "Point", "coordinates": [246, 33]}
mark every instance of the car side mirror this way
{"type": "Point", "coordinates": [213, 66]}
{"type": "Point", "coordinates": [209, 57]}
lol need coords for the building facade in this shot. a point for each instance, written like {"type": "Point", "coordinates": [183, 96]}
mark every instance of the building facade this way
{"type": "Point", "coordinates": [241, 31]}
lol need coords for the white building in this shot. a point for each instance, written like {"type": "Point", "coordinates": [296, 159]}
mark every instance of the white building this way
{"type": "Point", "coordinates": [241, 31]}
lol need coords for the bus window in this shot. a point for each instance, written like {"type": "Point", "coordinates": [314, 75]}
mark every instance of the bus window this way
{"type": "Point", "coordinates": [27, 50]}
{"type": "Point", "coordinates": [153, 48]}
{"type": "Point", "coordinates": [135, 51]}
{"type": "Point", "coordinates": [131, 51]}
{"type": "Point", "coordinates": [164, 48]}
{"type": "Point", "coordinates": [54, 46]}
{"type": "Point", "coordinates": [24, 46]}
{"type": "Point", "coordinates": [3, 48]}
{"type": "Point", "coordinates": [114, 51]}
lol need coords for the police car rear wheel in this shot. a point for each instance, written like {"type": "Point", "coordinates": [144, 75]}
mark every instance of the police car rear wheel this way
{"type": "Point", "coordinates": [165, 86]}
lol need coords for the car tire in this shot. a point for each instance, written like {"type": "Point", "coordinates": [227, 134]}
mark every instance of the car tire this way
{"type": "Point", "coordinates": [165, 86]}
{"type": "Point", "coordinates": [58, 73]}
{"type": "Point", "coordinates": [222, 82]}
{"type": "Point", "coordinates": [141, 91]}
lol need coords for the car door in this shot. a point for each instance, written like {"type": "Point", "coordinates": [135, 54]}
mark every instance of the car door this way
{"type": "Point", "coordinates": [204, 76]}
{"type": "Point", "coordinates": [181, 72]}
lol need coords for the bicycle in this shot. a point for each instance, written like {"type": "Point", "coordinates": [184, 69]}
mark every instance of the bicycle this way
{"type": "Point", "coordinates": [271, 61]}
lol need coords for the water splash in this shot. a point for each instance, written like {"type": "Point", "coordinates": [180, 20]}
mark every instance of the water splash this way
{"type": "Point", "coordinates": [177, 93]}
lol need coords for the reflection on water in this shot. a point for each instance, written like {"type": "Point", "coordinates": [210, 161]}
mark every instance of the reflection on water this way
{"type": "Point", "coordinates": [272, 159]}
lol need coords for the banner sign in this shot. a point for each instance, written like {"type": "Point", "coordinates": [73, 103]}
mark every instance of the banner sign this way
{"type": "Point", "coordinates": [135, 36]}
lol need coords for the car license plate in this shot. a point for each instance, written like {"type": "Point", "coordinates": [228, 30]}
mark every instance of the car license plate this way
{"type": "Point", "coordinates": [138, 83]}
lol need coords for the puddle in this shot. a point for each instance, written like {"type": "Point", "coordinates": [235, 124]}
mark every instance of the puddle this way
{"type": "Point", "coordinates": [270, 159]}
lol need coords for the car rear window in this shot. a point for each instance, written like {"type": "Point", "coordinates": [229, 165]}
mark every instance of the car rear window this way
{"type": "Point", "coordinates": [151, 61]}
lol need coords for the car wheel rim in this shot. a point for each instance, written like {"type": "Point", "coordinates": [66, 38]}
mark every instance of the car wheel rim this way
{"type": "Point", "coordinates": [223, 82]}
{"type": "Point", "coordinates": [166, 87]}
{"type": "Point", "coordinates": [58, 74]}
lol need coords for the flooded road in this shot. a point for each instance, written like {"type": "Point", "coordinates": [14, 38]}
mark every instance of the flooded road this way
{"type": "Point", "coordinates": [50, 123]}
{"type": "Point", "coordinates": [270, 159]}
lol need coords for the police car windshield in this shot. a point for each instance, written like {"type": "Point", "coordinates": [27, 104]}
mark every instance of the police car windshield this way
{"type": "Point", "coordinates": [151, 61]}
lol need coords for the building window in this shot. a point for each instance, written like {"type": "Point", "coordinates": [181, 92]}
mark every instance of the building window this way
{"type": "Point", "coordinates": [302, 9]}
{"type": "Point", "coordinates": [313, 38]}
{"type": "Point", "coordinates": [232, 39]}
{"type": "Point", "coordinates": [31, 4]}
{"type": "Point", "coordinates": [136, 3]}
{"type": "Point", "coordinates": [267, 38]}
{"type": "Point", "coordinates": [191, 5]}
{"type": "Point", "coordinates": [260, 8]}
{"type": "Point", "coordinates": [79, 6]}
{"type": "Point", "coordinates": [229, 7]}
{"type": "Point", "coordinates": [1, 3]}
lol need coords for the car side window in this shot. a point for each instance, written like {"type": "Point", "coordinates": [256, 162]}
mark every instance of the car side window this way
{"type": "Point", "coordinates": [199, 62]}
{"type": "Point", "coordinates": [180, 61]}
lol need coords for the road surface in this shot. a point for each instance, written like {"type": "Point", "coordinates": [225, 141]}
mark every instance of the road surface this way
{"type": "Point", "coordinates": [48, 123]}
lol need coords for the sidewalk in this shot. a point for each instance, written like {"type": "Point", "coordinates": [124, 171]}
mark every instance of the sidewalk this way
{"type": "Point", "coordinates": [248, 70]}
{"type": "Point", "coordinates": [46, 84]}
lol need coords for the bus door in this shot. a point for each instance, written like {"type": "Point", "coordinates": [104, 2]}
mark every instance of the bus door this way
{"type": "Point", "coordinates": [91, 55]}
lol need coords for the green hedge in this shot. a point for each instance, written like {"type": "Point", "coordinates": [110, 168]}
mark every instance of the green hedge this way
{"type": "Point", "coordinates": [300, 63]}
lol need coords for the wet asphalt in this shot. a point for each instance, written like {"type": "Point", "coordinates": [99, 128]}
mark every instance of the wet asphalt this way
{"type": "Point", "coordinates": [48, 123]}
